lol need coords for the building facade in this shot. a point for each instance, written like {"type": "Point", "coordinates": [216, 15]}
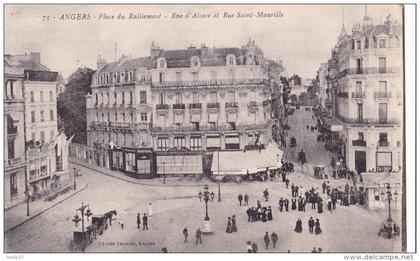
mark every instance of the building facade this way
{"type": "Point", "coordinates": [14, 136]}
{"type": "Point", "coordinates": [44, 147]}
{"type": "Point", "coordinates": [365, 83]}
{"type": "Point", "coordinates": [166, 113]}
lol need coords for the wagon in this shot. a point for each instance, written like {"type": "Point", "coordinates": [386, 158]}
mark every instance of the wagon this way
{"type": "Point", "coordinates": [81, 239]}
{"type": "Point", "coordinates": [100, 223]}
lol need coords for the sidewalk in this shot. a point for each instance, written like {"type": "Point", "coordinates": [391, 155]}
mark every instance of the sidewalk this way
{"type": "Point", "coordinates": [16, 216]}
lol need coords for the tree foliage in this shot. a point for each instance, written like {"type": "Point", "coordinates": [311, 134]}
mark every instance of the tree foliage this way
{"type": "Point", "coordinates": [71, 104]}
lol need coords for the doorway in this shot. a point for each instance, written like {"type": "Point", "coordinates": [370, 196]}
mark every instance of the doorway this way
{"type": "Point", "coordinates": [360, 161]}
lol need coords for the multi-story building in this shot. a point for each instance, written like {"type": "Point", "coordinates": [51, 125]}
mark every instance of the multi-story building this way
{"type": "Point", "coordinates": [322, 81]}
{"type": "Point", "coordinates": [14, 135]}
{"type": "Point", "coordinates": [166, 113]}
{"type": "Point", "coordinates": [365, 82]}
{"type": "Point", "coordinates": [45, 148]}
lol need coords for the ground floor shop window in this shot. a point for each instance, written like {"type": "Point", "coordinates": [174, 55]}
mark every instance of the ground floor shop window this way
{"type": "Point", "coordinates": [130, 162]}
{"type": "Point", "coordinates": [232, 142]}
{"type": "Point", "coordinates": [143, 166]}
{"type": "Point", "coordinates": [213, 142]}
{"type": "Point", "coordinates": [162, 143]}
{"type": "Point", "coordinates": [117, 160]}
{"type": "Point", "coordinates": [179, 142]}
{"type": "Point", "coordinates": [13, 184]}
{"type": "Point", "coordinates": [179, 164]}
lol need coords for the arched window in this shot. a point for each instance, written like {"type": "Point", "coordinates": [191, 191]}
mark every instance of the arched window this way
{"type": "Point", "coordinates": [367, 43]}
{"type": "Point", "coordinates": [230, 59]}
{"type": "Point", "coordinates": [195, 61]}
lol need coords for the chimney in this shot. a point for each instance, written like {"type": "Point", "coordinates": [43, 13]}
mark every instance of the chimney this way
{"type": "Point", "coordinates": [36, 57]}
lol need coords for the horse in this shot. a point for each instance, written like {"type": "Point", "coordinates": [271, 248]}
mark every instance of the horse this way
{"type": "Point", "coordinates": [109, 215]}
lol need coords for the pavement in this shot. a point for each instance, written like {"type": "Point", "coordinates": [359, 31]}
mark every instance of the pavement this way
{"type": "Point", "coordinates": [347, 229]}
{"type": "Point", "coordinates": [17, 215]}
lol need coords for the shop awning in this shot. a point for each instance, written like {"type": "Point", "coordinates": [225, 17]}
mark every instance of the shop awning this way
{"type": "Point", "coordinates": [333, 124]}
{"type": "Point", "coordinates": [251, 161]}
{"type": "Point", "coordinates": [375, 179]}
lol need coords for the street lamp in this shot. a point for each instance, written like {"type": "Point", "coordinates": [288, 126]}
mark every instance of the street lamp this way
{"type": "Point", "coordinates": [219, 195]}
{"type": "Point", "coordinates": [164, 175]}
{"type": "Point", "coordinates": [388, 196]}
{"type": "Point", "coordinates": [28, 198]}
{"type": "Point", "coordinates": [76, 219]}
{"type": "Point", "coordinates": [74, 177]}
{"type": "Point", "coordinates": [206, 197]}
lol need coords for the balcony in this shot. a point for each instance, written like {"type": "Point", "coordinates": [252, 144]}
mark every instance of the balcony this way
{"type": "Point", "coordinates": [361, 143]}
{"type": "Point", "coordinates": [194, 106]}
{"type": "Point", "coordinates": [343, 95]}
{"type": "Point", "coordinates": [370, 121]}
{"type": "Point", "coordinates": [383, 143]}
{"type": "Point", "coordinates": [178, 106]}
{"type": "Point", "coordinates": [358, 95]}
{"type": "Point", "coordinates": [209, 83]}
{"type": "Point", "coordinates": [231, 104]}
{"type": "Point", "coordinates": [369, 70]}
{"type": "Point", "coordinates": [252, 106]}
{"type": "Point", "coordinates": [212, 105]}
{"type": "Point", "coordinates": [211, 128]}
{"type": "Point", "coordinates": [163, 106]}
{"type": "Point", "coordinates": [382, 95]}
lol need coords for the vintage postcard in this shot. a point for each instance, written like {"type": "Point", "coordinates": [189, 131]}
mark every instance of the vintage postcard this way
{"type": "Point", "coordinates": [204, 128]}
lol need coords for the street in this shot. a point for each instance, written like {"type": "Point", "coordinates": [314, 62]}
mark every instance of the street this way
{"type": "Point", "coordinates": [348, 229]}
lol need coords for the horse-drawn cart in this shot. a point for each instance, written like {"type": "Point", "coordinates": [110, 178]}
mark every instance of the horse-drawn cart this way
{"type": "Point", "coordinates": [100, 223]}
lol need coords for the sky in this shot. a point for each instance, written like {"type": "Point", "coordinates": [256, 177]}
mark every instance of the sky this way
{"type": "Point", "coordinates": [302, 38]}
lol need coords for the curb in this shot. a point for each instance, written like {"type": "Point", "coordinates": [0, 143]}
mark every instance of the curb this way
{"type": "Point", "coordinates": [36, 215]}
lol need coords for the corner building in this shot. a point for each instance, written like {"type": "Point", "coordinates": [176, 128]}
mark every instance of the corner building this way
{"type": "Point", "coordinates": [166, 113]}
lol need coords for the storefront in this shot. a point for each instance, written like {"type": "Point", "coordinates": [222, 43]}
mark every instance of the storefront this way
{"type": "Point", "coordinates": [232, 141]}
{"type": "Point", "coordinates": [137, 163]}
{"type": "Point", "coordinates": [179, 162]}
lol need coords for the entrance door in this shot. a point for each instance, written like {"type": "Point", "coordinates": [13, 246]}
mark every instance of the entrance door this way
{"type": "Point", "coordinates": [360, 161]}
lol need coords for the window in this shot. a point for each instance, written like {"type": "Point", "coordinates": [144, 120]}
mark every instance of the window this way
{"type": "Point", "coordinates": [51, 96]}
{"type": "Point", "coordinates": [143, 166]}
{"type": "Point", "coordinates": [130, 162]}
{"type": "Point", "coordinates": [102, 98]}
{"type": "Point", "coordinates": [161, 77]}
{"type": "Point", "coordinates": [123, 98]}
{"type": "Point", "coordinates": [115, 98]}
{"type": "Point", "coordinates": [11, 148]}
{"type": "Point", "coordinates": [32, 96]}
{"type": "Point", "coordinates": [179, 142]}
{"type": "Point", "coordinates": [162, 64]}
{"type": "Point", "coordinates": [195, 143]}
{"type": "Point", "coordinates": [382, 87]}
{"type": "Point", "coordinates": [32, 116]}
{"type": "Point", "coordinates": [42, 116]}
{"type": "Point", "coordinates": [360, 112]}
{"type": "Point", "coordinates": [161, 98]}
{"type": "Point", "coordinates": [382, 65]}
{"type": "Point", "coordinates": [116, 117]}
{"type": "Point", "coordinates": [359, 45]}
{"type": "Point", "coordinates": [213, 97]}
{"type": "Point", "coordinates": [107, 98]}
{"type": "Point", "coordinates": [179, 76]}
{"type": "Point", "coordinates": [231, 61]}
{"type": "Point", "coordinates": [42, 136]}
{"type": "Point", "coordinates": [359, 87]}
{"type": "Point", "coordinates": [383, 113]}
{"type": "Point", "coordinates": [33, 136]}
{"type": "Point", "coordinates": [41, 96]}
{"type": "Point", "coordinates": [162, 143]}
{"type": "Point", "coordinates": [231, 74]}
{"type": "Point", "coordinates": [131, 117]}
{"type": "Point", "coordinates": [382, 43]}
{"type": "Point", "coordinates": [213, 125]}
{"type": "Point", "coordinates": [195, 76]}
{"type": "Point", "coordinates": [375, 42]}
{"type": "Point", "coordinates": [360, 136]}
{"type": "Point", "coordinates": [96, 99]}
{"type": "Point", "coordinates": [196, 97]}
{"type": "Point", "coordinates": [143, 98]}
{"type": "Point", "coordinates": [352, 44]}
{"type": "Point", "coordinates": [123, 117]}
{"type": "Point", "coordinates": [178, 98]}
{"type": "Point", "coordinates": [383, 139]}
{"type": "Point", "coordinates": [231, 96]}
{"type": "Point", "coordinates": [131, 98]}
{"type": "Point", "coordinates": [51, 115]}
{"type": "Point", "coordinates": [13, 184]}
{"type": "Point", "coordinates": [143, 116]}
{"type": "Point", "coordinates": [359, 66]}
{"type": "Point", "coordinates": [366, 43]}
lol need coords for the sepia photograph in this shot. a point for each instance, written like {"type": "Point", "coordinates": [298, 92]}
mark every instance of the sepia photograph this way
{"type": "Point", "coordinates": [205, 128]}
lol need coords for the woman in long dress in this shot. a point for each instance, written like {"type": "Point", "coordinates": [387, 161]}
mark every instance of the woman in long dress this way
{"type": "Point", "coordinates": [320, 205]}
{"type": "Point", "coordinates": [229, 226]}
{"type": "Point", "coordinates": [293, 204]}
{"type": "Point", "coordinates": [234, 227]}
{"type": "Point", "coordinates": [270, 214]}
{"type": "Point", "coordinates": [264, 215]}
{"type": "Point", "coordinates": [298, 227]}
{"type": "Point", "coordinates": [150, 210]}
{"type": "Point", "coordinates": [317, 227]}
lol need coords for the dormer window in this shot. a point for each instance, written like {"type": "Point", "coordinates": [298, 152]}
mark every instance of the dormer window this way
{"type": "Point", "coordinates": [382, 43]}
{"type": "Point", "coordinates": [161, 63]}
{"type": "Point", "coordinates": [195, 62]}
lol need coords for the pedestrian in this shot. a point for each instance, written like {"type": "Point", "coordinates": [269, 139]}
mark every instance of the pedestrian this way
{"type": "Point", "coordinates": [138, 220]}
{"type": "Point", "coordinates": [246, 198]}
{"type": "Point", "coordinates": [266, 240]}
{"type": "Point", "coordinates": [269, 214]}
{"type": "Point", "coordinates": [122, 224]}
{"type": "Point", "coordinates": [150, 210]}
{"type": "Point", "coordinates": [145, 227]}
{"type": "Point", "coordinates": [287, 183]}
{"type": "Point", "coordinates": [286, 204]}
{"type": "Point", "coordinates": [314, 250]}
{"type": "Point", "coordinates": [311, 224]}
{"type": "Point", "coordinates": [293, 190]}
{"type": "Point", "coordinates": [320, 205]}
{"type": "Point", "coordinates": [254, 247]}
{"type": "Point", "coordinates": [211, 196]}
{"type": "Point", "coordinates": [234, 227]}
{"type": "Point", "coordinates": [249, 246]}
{"type": "Point", "coordinates": [281, 205]}
{"type": "Point", "coordinates": [298, 227]}
{"type": "Point", "coordinates": [200, 195]}
{"type": "Point", "coordinates": [198, 236]}
{"type": "Point", "coordinates": [324, 186]}
{"type": "Point", "coordinates": [329, 204]}
{"type": "Point", "coordinates": [185, 233]}
{"type": "Point", "coordinates": [164, 250]}
{"type": "Point", "coordinates": [229, 225]}
{"type": "Point", "coordinates": [240, 197]}
{"type": "Point", "coordinates": [274, 239]}
{"type": "Point", "coordinates": [317, 227]}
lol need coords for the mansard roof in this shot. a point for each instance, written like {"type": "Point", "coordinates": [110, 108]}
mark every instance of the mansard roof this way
{"type": "Point", "coordinates": [25, 62]}
{"type": "Point", "coordinates": [127, 64]}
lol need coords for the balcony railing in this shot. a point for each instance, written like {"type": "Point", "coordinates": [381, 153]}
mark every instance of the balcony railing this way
{"type": "Point", "coordinates": [358, 95]}
{"type": "Point", "coordinates": [178, 106]}
{"type": "Point", "coordinates": [369, 70]}
{"type": "Point", "coordinates": [210, 128]}
{"type": "Point", "coordinates": [121, 125]}
{"type": "Point", "coordinates": [163, 106]}
{"type": "Point", "coordinates": [209, 83]}
{"type": "Point", "coordinates": [213, 105]}
{"type": "Point", "coordinates": [231, 104]}
{"type": "Point", "coordinates": [382, 95]}
{"type": "Point", "coordinates": [361, 143]}
{"type": "Point", "coordinates": [383, 143]}
{"type": "Point", "coordinates": [369, 120]}
{"type": "Point", "coordinates": [343, 94]}
{"type": "Point", "coordinates": [194, 105]}
{"type": "Point", "coordinates": [252, 104]}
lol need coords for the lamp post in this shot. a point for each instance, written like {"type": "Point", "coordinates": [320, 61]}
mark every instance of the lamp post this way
{"type": "Point", "coordinates": [388, 196]}
{"type": "Point", "coordinates": [164, 175]}
{"type": "Point", "coordinates": [74, 178]}
{"type": "Point", "coordinates": [206, 197]}
{"type": "Point", "coordinates": [28, 198]}
{"type": "Point", "coordinates": [219, 196]}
